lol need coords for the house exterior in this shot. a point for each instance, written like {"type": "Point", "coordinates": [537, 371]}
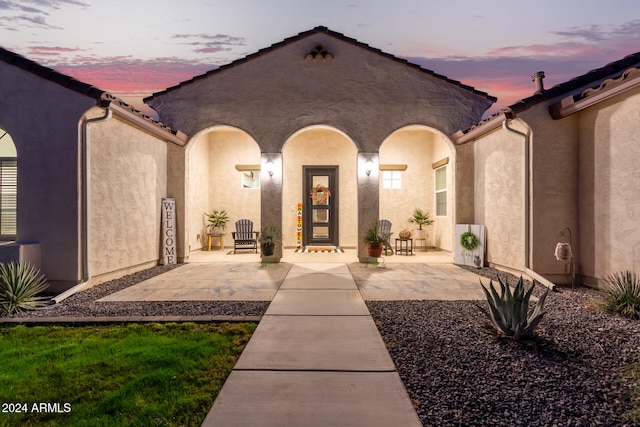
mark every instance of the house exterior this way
{"type": "Point", "coordinates": [580, 142]}
{"type": "Point", "coordinates": [319, 113]}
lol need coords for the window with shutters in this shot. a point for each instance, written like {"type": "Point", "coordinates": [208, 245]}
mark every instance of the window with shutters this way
{"type": "Point", "coordinates": [8, 186]}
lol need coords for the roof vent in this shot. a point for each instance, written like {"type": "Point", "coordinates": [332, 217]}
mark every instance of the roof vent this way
{"type": "Point", "coordinates": [318, 53]}
{"type": "Point", "coordinates": [538, 79]}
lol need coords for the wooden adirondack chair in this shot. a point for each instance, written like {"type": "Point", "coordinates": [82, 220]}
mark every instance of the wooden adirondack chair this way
{"type": "Point", "coordinates": [385, 230]}
{"type": "Point", "coordinates": [244, 237]}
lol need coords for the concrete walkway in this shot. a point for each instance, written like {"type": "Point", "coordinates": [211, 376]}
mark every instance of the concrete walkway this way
{"type": "Point", "coordinates": [315, 359]}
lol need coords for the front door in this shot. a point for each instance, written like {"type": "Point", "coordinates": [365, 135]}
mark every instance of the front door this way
{"type": "Point", "coordinates": [320, 206]}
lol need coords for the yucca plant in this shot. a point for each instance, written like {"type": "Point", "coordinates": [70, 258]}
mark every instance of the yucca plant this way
{"type": "Point", "coordinates": [20, 284]}
{"type": "Point", "coordinates": [509, 312]}
{"type": "Point", "coordinates": [623, 294]}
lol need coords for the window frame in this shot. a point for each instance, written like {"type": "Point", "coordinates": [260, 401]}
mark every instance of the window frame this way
{"type": "Point", "coordinates": [395, 176]}
{"type": "Point", "coordinates": [440, 191]}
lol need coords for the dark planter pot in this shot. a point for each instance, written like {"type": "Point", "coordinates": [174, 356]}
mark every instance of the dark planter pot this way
{"type": "Point", "coordinates": [267, 249]}
{"type": "Point", "coordinates": [374, 250]}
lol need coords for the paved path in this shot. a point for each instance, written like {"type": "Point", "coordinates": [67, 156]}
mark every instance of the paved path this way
{"type": "Point", "coordinates": [316, 359]}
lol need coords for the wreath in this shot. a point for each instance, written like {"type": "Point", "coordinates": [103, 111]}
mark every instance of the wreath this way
{"type": "Point", "coordinates": [320, 194]}
{"type": "Point", "coordinates": [468, 240]}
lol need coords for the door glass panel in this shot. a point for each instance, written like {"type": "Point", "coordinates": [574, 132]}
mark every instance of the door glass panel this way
{"type": "Point", "coordinates": [320, 198]}
{"type": "Point", "coordinates": [320, 232]}
{"type": "Point", "coordinates": [321, 215]}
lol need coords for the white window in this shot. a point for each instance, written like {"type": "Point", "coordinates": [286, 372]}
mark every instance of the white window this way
{"type": "Point", "coordinates": [441, 191]}
{"type": "Point", "coordinates": [392, 179]}
{"type": "Point", "coordinates": [250, 178]}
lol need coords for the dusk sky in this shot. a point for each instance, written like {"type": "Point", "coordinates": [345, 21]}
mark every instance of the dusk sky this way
{"type": "Point", "coordinates": [133, 48]}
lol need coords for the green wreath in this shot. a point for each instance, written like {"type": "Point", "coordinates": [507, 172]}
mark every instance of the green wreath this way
{"type": "Point", "coordinates": [468, 240]}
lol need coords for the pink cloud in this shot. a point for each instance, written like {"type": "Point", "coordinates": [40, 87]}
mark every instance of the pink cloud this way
{"type": "Point", "coordinates": [124, 76]}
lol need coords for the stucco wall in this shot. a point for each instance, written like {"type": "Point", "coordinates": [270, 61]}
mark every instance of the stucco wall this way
{"type": "Point", "coordinates": [609, 187]}
{"type": "Point", "coordinates": [418, 148]}
{"type": "Point", "coordinates": [214, 182]}
{"type": "Point", "coordinates": [360, 92]}
{"type": "Point", "coordinates": [554, 192]}
{"type": "Point", "coordinates": [499, 202]}
{"type": "Point", "coordinates": [128, 181]}
{"type": "Point", "coordinates": [317, 147]}
{"type": "Point", "coordinates": [43, 119]}
{"type": "Point", "coordinates": [198, 183]}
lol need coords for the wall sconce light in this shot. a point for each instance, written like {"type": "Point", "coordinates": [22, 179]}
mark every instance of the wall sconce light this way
{"type": "Point", "coordinates": [368, 166]}
{"type": "Point", "coordinates": [270, 167]}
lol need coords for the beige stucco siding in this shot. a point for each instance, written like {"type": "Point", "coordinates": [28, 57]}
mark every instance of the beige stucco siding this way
{"type": "Point", "coordinates": [609, 187]}
{"type": "Point", "coordinates": [128, 181]}
{"type": "Point", "coordinates": [499, 201]}
{"type": "Point", "coordinates": [214, 183]}
{"type": "Point", "coordinates": [554, 189]}
{"type": "Point", "coordinates": [320, 146]}
{"type": "Point", "coordinates": [417, 148]}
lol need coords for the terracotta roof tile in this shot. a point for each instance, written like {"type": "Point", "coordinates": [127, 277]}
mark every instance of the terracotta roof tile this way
{"type": "Point", "coordinates": [614, 70]}
{"type": "Point", "coordinates": [335, 34]}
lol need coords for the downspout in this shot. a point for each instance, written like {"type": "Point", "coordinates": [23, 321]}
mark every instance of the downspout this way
{"type": "Point", "coordinates": [86, 229]}
{"type": "Point", "coordinates": [527, 218]}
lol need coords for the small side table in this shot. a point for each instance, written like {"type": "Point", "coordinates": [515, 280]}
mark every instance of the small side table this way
{"type": "Point", "coordinates": [220, 236]}
{"type": "Point", "coordinates": [422, 245]}
{"type": "Point", "coordinates": [404, 246]}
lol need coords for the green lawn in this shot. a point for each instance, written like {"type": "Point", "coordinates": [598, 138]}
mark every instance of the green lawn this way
{"type": "Point", "coordinates": [115, 375]}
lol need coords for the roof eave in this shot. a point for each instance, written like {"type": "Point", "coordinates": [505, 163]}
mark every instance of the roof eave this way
{"type": "Point", "coordinates": [147, 124]}
{"type": "Point", "coordinates": [630, 79]}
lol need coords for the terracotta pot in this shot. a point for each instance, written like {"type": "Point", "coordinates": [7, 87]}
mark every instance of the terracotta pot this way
{"type": "Point", "coordinates": [374, 250]}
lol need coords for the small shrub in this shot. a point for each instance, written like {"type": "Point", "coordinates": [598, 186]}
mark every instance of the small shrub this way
{"type": "Point", "coordinates": [20, 284]}
{"type": "Point", "coordinates": [509, 313]}
{"type": "Point", "coordinates": [623, 294]}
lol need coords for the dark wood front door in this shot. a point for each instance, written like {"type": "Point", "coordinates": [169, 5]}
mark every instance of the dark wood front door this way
{"type": "Point", "coordinates": [320, 208]}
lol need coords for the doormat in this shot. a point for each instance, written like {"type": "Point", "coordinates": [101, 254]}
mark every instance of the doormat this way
{"type": "Point", "coordinates": [318, 249]}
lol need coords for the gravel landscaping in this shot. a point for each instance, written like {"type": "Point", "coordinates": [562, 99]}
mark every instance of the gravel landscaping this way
{"type": "Point", "coordinates": [459, 374]}
{"type": "Point", "coordinates": [456, 372]}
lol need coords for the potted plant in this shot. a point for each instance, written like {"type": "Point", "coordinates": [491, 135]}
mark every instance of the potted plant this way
{"type": "Point", "coordinates": [374, 240]}
{"type": "Point", "coordinates": [217, 221]}
{"type": "Point", "coordinates": [421, 218]}
{"type": "Point", "coordinates": [269, 236]}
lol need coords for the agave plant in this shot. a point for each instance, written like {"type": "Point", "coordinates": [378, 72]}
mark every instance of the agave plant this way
{"type": "Point", "coordinates": [20, 284]}
{"type": "Point", "coordinates": [623, 294]}
{"type": "Point", "coordinates": [509, 313]}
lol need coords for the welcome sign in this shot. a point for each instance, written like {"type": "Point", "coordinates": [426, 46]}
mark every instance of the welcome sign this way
{"type": "Point", "coordinates": [169, 231]}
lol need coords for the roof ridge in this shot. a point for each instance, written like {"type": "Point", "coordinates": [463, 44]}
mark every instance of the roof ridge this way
{"type": "Point", "coordinates": [332, 33]}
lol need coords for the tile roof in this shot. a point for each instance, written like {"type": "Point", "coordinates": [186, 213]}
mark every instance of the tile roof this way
{"type": "Point", "coordinates": [103, 99]}
{"type": "Point", "coordinates": [603, 78]}
{"type": "Point", "coordinates": [331, 33]}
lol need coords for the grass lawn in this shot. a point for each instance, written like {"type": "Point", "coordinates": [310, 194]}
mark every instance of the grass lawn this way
{"type": "Point", "coordinates": [115, 375]}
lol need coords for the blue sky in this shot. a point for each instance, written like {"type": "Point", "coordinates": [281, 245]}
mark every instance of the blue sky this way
{"type": "Point", "coordinates": [133, 48]}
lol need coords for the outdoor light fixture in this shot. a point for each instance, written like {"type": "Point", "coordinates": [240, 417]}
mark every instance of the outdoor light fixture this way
{"type": "Point", "coordinates": [368, 164]}
{"type": "Point", "coordinates": [270, 167]}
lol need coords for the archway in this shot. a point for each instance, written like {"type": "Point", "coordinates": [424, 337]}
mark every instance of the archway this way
{"type": "Point", "coordinates": [222, 172]}
{"type": "Point", "coordinates": [308, 156]}
{"type": "Point", "coordinates": [417, 171]}
{"type": "Point", "coordinates": [8, 186]}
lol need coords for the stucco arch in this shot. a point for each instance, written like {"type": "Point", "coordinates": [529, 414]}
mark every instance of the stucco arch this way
{"type": "Point", "coordinates": [418, 148]}
{"type": "Point", "coordinates": [214, 161]}
{"type": "Point", "coordinates": [319, 145]}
